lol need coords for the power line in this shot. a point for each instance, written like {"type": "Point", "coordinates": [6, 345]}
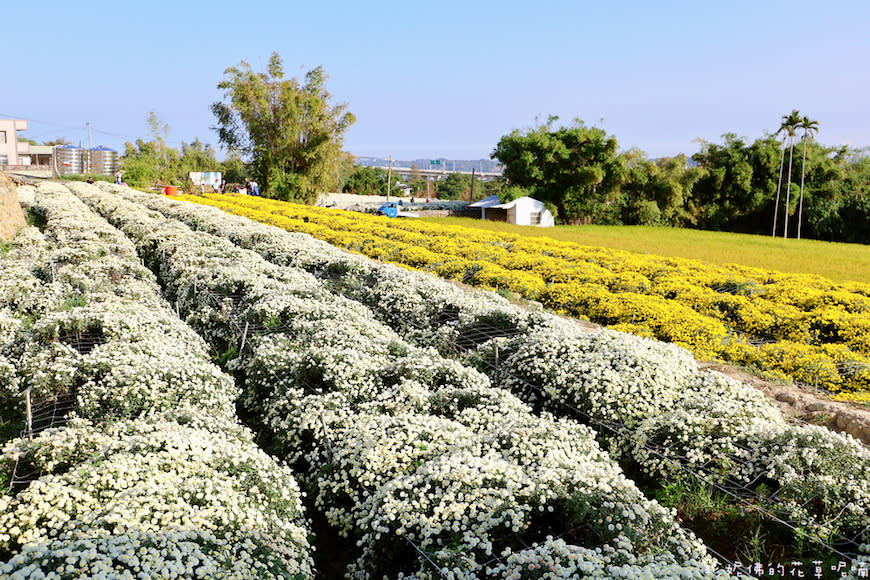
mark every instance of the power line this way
{"type": "Point", "coordinates": [83, 129]}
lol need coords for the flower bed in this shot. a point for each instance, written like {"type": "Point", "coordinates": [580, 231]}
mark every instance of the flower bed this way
{"type": "Point", "coordinates": [671, 413]}
{"type": "Point", "coordinates": [802, 327]}
{"type": "Point", "coordinates": [152, 476]}
{"type": "Point", "coordinates": [181, 493]}
{"type": "Point", "coordinates": [400, 445]}
{"type": "Point", "coordinates": [100, 329]}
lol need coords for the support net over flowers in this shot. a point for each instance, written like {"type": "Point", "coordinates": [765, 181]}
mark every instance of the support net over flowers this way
{"type": "Point", "coordinates": [133, 462]}
{"type": "Point", "coordinates": [677, 418]}
{"type": "Point", "coordinates": [403, 447]}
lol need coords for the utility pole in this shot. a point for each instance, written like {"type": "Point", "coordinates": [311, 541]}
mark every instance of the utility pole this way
{"type": "Point", "coordinates": [471, 193]}
{"type": "Point", "coordinates": [90, 146]}
{"type": "Point", "coordinates": [389, 177]}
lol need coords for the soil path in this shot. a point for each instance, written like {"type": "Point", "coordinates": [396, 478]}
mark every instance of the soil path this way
{"type": "Point", "coordinates": [11, 216]}
{"type": "Point", "coordinates": [808, 406]}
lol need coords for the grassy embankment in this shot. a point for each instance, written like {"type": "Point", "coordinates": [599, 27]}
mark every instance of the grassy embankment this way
{"type": "Point", "coordinates": [839, 262]}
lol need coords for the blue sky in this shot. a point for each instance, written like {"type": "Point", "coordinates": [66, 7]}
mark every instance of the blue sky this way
{"type": "Point", "coordinates": [449, 78]}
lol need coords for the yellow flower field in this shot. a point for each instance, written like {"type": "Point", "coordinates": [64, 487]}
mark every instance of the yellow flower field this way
{"type": "Point", "coordinates": [803, 327]}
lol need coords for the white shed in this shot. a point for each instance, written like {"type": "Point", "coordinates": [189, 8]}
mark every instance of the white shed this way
{"type": "Point", "coordinates": [523, 211]}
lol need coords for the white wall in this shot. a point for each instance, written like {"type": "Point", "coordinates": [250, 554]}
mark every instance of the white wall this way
{"type": "Point", "coordinates": [11, 148]}
{"type": "Point", "coordinates": [523, 209]}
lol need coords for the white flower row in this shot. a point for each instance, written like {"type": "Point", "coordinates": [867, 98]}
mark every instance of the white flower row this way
{"type": "Point", "coordinates": [173, 493]}
{"type": "Point", "coordinates": [142, 356]}
{"type": "Point", "coordinates": [20, 294]}
{"type": "Point", "coordinates": [671, 411]}
{"type": "Point", "coordinates": [112, 496]}
{"type": "Point", "coordinates": [399, 442]}
{"type": "Point", "coordinates": [553, 559]}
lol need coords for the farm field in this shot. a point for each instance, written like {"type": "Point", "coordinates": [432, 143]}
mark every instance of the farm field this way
{"type": "Point", "coordinates": [798, 327]}
{"type": "Point", "coordinates": [836, 261]}
{"type": "Point", "coordinates": [408, 427]}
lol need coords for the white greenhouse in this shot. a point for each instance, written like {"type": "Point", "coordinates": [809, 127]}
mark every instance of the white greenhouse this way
{"type": "Point", "coordinates": [523, 211]}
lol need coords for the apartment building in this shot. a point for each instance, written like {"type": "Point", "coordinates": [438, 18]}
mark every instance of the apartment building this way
{"type": "Point", "coordinates": [11, 151]}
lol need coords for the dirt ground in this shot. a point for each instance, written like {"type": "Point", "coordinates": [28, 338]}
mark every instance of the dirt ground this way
{"type": "Point", "coordinates": [11, 216]}
{"type": "Point", "coordinates": [807, 406]}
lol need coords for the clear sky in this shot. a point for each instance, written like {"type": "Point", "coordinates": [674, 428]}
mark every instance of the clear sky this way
{"type": "Point", "coordinates": [448, 78]}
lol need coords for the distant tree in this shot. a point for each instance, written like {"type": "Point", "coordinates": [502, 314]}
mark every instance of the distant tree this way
{"type": "Point", "coordinates": [415, 172]}
{"type": "Point", "coordinates": [810, 128]}
{"type": "Point", "coordinates": [851, 197]}
{"type": "Point", "coordinates": [198, 156]}
{"type": "Point", "coordinates": [288, 128]}
{"type": "Point", "coordinates": [738, 180]}
{"type": "Point", "coordinates": [659, 192]}
{"type": "Point", "coordinates": [159, 132]}
{"type": "Point", "coordinates": [418, 185]}
{"type": "Point", "coordinates": [142, 165]}
{"type": "Point", "coordinates": [344, 168]}
{"type": "Point", "coordinates": [149, 163]}
{"type": "Point", "coordinates": [835, 181]}
{"type": "Point", "coordinates": [484, 189]}
{"type": "Point", "coordinates": [576, 168]}
{"type": "Point", "coordinates": [779, 182]}
{"type": "Point", "coordinates": [235, 170]}
{"type": "Point", "coordinates": [370, 181]}
{"type": "Point", "coordinates": [58, 141]}
{"type": "Point", "coordinates": [454, 186]}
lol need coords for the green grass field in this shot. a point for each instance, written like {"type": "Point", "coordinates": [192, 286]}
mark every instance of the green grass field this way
{"type": "Point", "coordinates": [840, 262]}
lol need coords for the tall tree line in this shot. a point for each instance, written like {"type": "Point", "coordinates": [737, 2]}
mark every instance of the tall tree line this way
{"type": "Point", "coordinates": [735, 185]}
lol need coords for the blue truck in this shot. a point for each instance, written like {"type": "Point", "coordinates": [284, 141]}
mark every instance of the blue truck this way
{"type": "Point", "coordinates": [391, 209]}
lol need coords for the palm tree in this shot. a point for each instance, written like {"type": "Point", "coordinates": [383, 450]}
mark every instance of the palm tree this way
{"type": "Point", "coordinates": [810, 128]}
{"type": "Point", "coordinates": [790, 124]}
{"type": "Point", "coordinates": [779, 183]}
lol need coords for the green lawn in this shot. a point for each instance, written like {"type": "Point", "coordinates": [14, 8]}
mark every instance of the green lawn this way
{"type": "Point", "coordinates": [840, 262]}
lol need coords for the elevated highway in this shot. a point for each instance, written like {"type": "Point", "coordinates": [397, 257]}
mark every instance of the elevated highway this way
{"type": "Point", "coordinates": [405, 172]}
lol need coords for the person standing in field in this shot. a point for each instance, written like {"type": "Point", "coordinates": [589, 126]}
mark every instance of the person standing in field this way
{"type": "Point", "coordinates": [255, 188]}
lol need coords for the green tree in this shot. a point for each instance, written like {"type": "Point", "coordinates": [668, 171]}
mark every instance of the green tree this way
{"type": "Point", "coordinates": [142, 165]}
{"type": "Point", "coordinates": [836, 181]}
{"type": "Point", "coordinates": [198, 156]}
{"type": "Point", "coordinates": [484, 189]}
{"type": "Point", "coordinates": [370, 181]}
{"type": "Point", "coordinates": [738, 180]}
{"type": "Point", "coordinates": [150, 163]}
{"type": "Point", "coordinates": [234, 169]}
{"type": "Point", "coordinates": [810, 128]}
{"type": "Point", "coordinates": [659, 192]}
{"type": "Point", "coordinates": [418, 186]}
{"type": "Point", "coordinates": [344, 168]}
{"type": "Point", "coordinates": [415, 173]}
{"type": "Point", "coordinates": [288, 128]}
{"type": "Point", "coordinates": [159, 132]}
{"type": "Point", "coordinates": [454, 186]}
{"type": "Point", "coordinates": [576, 168]}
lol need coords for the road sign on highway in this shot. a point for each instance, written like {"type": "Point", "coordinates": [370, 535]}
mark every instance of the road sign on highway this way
{"type": "Point", "coordinates": [434, 162]}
